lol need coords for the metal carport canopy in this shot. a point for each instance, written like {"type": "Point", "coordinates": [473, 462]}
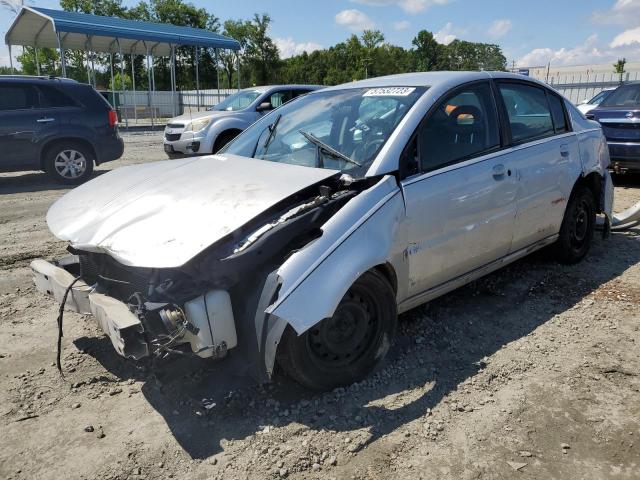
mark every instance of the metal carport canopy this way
{"type": "Point", "coordinates": [40, 27]}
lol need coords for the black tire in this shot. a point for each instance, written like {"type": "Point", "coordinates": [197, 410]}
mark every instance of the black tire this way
{"type": "Point", "coordinates": [345, 348]}
{"type": "Point", "coordinates": [223, 139]}
{"type": "Point", "coordinates": [69, 163]}
{"type": "Point", "coordinates": [578, 226]}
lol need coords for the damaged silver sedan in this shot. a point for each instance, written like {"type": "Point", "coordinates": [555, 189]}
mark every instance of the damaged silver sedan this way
{"type": "Point", "coordinates": [300, 243]}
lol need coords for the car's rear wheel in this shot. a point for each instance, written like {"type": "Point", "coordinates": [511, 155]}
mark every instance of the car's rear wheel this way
{"type": "Point", "coordinates": [578, 226]}
{"type": "Point", "coordinates": [344, 348]}
{"type": "Point", "coordinates": [70, 163]}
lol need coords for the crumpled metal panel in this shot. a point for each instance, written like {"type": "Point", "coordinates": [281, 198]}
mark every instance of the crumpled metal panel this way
{"type": "Point", "coordinates": [365, 233]}
{"type": "Point", "coordinates": [162, 214]}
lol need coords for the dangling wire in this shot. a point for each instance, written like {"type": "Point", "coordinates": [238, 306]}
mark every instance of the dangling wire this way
{"type": "Point", "coordinates": [60, 317]}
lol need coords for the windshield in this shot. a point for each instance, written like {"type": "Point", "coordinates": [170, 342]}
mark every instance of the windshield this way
{"type": "Point", "coordinates": [624, 96]}
{"type": "Point", "coordinates": [599, 97]}
{"type": "Point", "coordinates": [238, 101]}
{"type": "Point", "coordinates": [336, 129]}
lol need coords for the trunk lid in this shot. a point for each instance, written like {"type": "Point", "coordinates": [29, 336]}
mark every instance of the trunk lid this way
{"type": "Point", "coordinates": [619, 124]}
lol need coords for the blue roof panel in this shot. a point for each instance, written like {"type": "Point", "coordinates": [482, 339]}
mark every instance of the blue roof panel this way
{"type": "Point", "coordinates": [115, 27]}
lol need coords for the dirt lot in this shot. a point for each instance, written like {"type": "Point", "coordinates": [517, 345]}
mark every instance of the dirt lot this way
{"type": "Point", "coordinates": [532, 373]}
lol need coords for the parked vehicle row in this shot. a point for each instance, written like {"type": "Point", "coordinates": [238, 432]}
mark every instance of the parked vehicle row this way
{"type": "Point", "coordinates": [300, 242]}
{"type": "Point", "coordinates": [619, 115]}
{"type": "Point", "coordinates": [589, 104]}
{"type": "Point", "coordinates": [56, 125]}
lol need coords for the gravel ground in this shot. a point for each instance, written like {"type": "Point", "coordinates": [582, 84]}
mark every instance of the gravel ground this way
{"type": "Point", "coordinates": [532, 373]}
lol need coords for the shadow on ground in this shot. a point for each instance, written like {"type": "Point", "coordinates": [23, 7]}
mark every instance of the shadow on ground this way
{"type": "Point", "coordinates": [460, 330]}
{"type": "Point", "coordinates": [34, 182]}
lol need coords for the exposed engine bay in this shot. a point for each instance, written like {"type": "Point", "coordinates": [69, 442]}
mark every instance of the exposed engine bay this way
{"type": "Point", "coordinates": [206, 305]}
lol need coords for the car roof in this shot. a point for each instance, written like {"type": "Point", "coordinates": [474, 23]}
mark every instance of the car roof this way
{"type": "Point", "coordinates": [265, 88]}
{"type": "Point", "coordinates": [34, 78]}
{"type": "Point", "coordinates": [431, 79]}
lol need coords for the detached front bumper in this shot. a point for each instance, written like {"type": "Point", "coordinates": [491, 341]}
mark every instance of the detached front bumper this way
{"type": "Point", "coordinates": [123, 328]}
{"type": "Point", "coordinates": [204, 325]}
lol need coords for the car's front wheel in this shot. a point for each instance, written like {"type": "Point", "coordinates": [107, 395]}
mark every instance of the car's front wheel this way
{"type": "Point", "coordinates": [578, 226]}
{"type": "Point", "coordinates": [344, 348]}
{"type": "Point", "coordinates": [70, 163]}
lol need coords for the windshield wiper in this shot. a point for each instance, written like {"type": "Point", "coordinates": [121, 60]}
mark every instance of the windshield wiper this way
{"type": "Point", "coordinates": [272, 131]}
{"type": "Point", "coordinates": [323, 146]}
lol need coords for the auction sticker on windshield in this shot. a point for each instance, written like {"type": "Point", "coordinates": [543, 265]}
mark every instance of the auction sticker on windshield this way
{"type": "Point", "coordinates": [389, 92]}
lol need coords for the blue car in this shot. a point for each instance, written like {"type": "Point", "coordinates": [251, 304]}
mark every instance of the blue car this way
{"type": "Point", "coordinates": [619, 115]}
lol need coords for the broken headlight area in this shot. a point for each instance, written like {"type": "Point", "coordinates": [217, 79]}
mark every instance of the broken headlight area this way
{"type": "Point", "coordinates": [190, 309]}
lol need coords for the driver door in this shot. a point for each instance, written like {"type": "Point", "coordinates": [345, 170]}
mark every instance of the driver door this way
{"type": "Point", "coordinates": [460, 195]}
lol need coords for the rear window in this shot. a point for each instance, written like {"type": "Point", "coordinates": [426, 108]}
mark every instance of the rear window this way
{"type": "Point", "coordinates": [53, 98]}
{"type": "Point", "coordinates": [17, 97]}
{"type": "Point", "coordinates": [557, 112]}
{"type": "Point", "coordinates": [528, 110]}
{"type": "Point", "coordinates": [624, 96]}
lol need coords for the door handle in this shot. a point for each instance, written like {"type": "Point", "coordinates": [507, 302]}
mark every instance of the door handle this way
{"type": "Point", "coordinates": [564, 150]}
{"type": "Point", "coordinates": [499, 171]}
{"type": "Point", "coordinates": [45, 120]}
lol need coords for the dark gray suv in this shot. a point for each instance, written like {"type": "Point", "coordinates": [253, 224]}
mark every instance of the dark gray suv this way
{"type": "Point", "coordinates": [56, 125]}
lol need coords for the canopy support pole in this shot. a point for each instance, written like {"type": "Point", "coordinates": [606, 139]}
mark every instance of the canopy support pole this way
{"type": "Point", "coordinates": [93, 66]}
{"type": "Point", "coordinates": [198, 77]}
{"type": "Point", "coordinates": [217, 73]}
{"type": "Point", "coordinates": [238, 57]}
{"type": "Point", "coordinates": [133, 84]}
{"type": "Point", "coordinates": [173, 79]}
{"type": "Point", "coordinates": [149, 82]}
{"type": "Point", "coordinates": [113, 83]}
{"type": "Point", "coordinates": [11, 60]}
{"type": "Point", "coordinates": [63, 61]}
{"type": "Point", "coordinates": [37, 61]}
{"type": "Point", "coordinates": [123, 99]}
{"type": "Point", "coordinates": [86, 47]}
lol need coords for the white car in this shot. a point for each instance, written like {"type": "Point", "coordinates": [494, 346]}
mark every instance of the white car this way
{"type": "Point", "coordinates": [207, 132]}
{"type": "Point", "coordinates": [587, 105]}
{"type": "Point", "coordinates": [301, 242]}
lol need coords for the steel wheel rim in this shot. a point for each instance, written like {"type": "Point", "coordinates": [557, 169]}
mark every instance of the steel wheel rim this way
{"type": "Point", "coordinates": [350, 334]}
{"type": "Point", "coordinates": [70, 163]}
{"type": "Point", "coordinates": [580, 225]}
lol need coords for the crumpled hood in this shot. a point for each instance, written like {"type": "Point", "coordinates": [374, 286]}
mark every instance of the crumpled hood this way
{"type": "Point", "coordinates": [162, 214]}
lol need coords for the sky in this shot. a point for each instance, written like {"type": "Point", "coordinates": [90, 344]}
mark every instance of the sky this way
{"type": "Point", "coordinates": [531, 33]}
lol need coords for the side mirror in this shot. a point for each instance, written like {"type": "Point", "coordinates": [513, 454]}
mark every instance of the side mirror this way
{"type": "Point", "coordinates": [264, 106]}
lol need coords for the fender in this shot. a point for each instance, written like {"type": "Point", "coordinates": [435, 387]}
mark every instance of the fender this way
{"type": "Point", "coordinates": [314, 280]}
{"type": "Point", "coordinates": [223, 124]}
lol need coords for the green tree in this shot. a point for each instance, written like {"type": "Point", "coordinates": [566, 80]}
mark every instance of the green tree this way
{"type": "Point", "coordinates": [619, 67]}
{"type": "Point", "coordinates": [463, 55]}
{"type": "Point", "coordinates": [261, 53]}
{"type": "Point", "coordinates": [48, 58]}
{"type": "Point", "coordinates": [238, 30]}
{"type": "Point", "coordinates": [428, 53]}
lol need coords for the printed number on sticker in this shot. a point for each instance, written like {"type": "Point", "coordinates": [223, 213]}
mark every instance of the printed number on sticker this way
{"type": "Point", "coordinates": [389, 92]}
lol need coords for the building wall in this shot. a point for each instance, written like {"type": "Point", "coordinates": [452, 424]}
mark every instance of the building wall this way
{"type": "Point", "coordinates": [581, 82]}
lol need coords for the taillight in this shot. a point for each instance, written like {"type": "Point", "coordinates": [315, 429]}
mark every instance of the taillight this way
{"type": "Point", "coordinates": [113, 118]}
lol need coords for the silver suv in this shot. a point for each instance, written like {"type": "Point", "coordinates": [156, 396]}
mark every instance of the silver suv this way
{"type": "Point", "coordinates": [209, 131]}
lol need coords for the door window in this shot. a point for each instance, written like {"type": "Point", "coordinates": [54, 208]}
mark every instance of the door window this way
{"type": "Point", "coordinates": [54, 98]}
{"type": "Point", "coordinates": [278, 98]}
{"type": "Point", "coordinates": [528, 111]}
{"type": "Point", "coordinates": [464, 125]}
{"type": "Point", "coordinates": [17, 97]}
{"type": "Point", "coordinates": [557, 112]}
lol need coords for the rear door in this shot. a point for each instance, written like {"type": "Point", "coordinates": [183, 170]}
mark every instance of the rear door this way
{"type": "Point", "coordinates": [19, 125]}
{"type": "Point", "coordinates": [459, 192]}
{"type": "Point", "coordinates": [545, 156]}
